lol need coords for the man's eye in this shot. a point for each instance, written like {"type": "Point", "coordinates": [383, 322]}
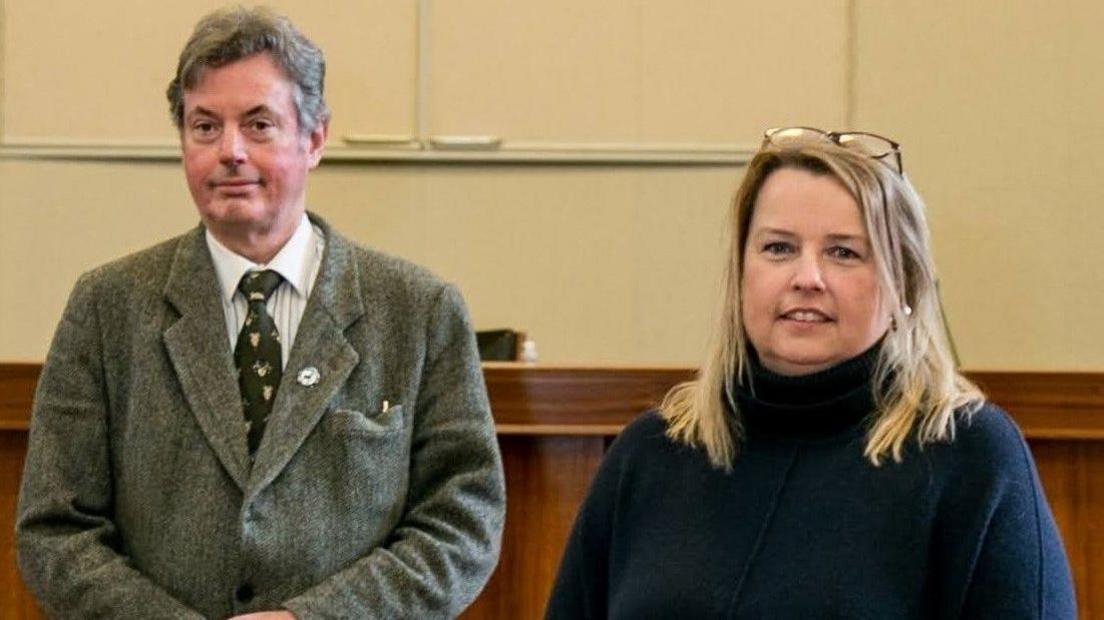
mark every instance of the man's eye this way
{"type": "Point", "coordinates": [261, 125]}
{"type": "Point", "coordinates": [204, 129]}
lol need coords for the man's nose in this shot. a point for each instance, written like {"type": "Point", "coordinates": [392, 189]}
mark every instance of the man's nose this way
{"type": "Point", "coordinates": [808, 273]}
{"type": "Point", "coordinates": [232, 148]}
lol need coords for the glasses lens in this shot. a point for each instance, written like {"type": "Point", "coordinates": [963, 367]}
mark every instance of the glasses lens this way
{"type": "Point", "coordinates": [875, 146]}
{"type": "Point", "coordinates": [783, 136]}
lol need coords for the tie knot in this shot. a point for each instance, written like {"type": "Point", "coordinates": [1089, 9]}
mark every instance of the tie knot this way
{"type": "Point", "coordinates": [258, 285]}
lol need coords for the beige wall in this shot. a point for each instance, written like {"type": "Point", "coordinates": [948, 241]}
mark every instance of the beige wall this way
{"type": "Point", "coordinates": [995, 105]}
{"type": "Point", "coordinates": [998, 106]}
{"type": "Point", "coordinates": [599, 265]}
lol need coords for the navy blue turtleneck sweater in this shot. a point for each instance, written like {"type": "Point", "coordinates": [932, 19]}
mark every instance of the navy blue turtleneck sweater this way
{"type": "Point", "coordinates": [805, 527]}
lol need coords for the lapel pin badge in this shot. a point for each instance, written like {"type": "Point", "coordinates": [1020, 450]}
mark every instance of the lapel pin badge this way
{"type": "Point", "coordinates": [308, 376]}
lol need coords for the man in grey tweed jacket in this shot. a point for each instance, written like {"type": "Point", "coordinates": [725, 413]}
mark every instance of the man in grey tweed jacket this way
{"type": "Point", "coordinates": [376, 490]}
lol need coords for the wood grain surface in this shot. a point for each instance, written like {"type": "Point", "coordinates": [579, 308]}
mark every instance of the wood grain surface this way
{"type": "Point", "coordinates": [554, 424]}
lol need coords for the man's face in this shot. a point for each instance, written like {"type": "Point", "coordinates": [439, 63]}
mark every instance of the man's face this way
{"type": "Point", "coordinates": [245, 159]}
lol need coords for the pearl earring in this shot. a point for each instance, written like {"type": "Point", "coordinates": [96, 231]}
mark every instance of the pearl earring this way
{"type": "Point", "coordinates": [906, 310]}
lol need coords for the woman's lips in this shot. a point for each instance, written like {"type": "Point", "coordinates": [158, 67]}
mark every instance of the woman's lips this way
{"type": "Point", "coordinates": [806, 315]}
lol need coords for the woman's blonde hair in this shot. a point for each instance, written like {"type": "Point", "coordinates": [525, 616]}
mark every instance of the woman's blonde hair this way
{"type": "Point", "coordinates": [923, 389]}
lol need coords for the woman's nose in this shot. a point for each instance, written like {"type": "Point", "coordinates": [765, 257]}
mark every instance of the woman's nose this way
{"type": "Point", "coordinates": [808, 275]}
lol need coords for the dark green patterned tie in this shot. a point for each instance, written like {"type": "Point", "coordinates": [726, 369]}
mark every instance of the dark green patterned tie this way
{"type": "Point", "coordinates": [257, 354]}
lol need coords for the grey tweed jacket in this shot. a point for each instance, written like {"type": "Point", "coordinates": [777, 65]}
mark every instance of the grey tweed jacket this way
{"type": "Point", "coordinates": [138, 497]}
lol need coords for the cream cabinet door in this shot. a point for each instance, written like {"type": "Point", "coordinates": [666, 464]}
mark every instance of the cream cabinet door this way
{"type": "Point", "coordinates": [623, 71]}
{"type": "Point", "coordinates": [95, 73]}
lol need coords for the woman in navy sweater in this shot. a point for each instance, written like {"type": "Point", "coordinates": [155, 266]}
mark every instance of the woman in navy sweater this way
{"type": "Point", "coordinates": [829, 461]}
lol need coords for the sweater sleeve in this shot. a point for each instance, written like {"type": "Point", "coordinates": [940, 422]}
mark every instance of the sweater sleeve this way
{"type": "Point", "coordinates": [1009, 549]}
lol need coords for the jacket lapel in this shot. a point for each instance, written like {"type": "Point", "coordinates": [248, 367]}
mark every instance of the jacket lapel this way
{"type": "Point", "coordinates": [334, 304]}
{"type": "Point", "coordinates": [200, 353]}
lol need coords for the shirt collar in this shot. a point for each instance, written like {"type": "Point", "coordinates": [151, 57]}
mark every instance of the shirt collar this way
{"type": "Point", "coordinates": [291, 262]}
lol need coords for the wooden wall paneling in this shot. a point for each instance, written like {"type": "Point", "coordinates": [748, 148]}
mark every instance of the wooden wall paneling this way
{"type": "Point", "coordinates": [17, 386]}
{"type": "Point", "coordinates": [16, 603]}
{"type": "Point", "coordinates": [547, 479]}
{"type": "Point", "coordinates": [572, 400]}
{"type": "Point", "coordinates": [1051, 405]}
{"type": "Point", "coordinates": [555, 423]}
{"type": "Point", "coordinates": [1071, 473]}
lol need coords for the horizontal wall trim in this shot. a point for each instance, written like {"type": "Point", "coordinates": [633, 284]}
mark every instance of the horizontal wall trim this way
{"type": "Point", "coordinates": [581, 400]}
{"type": "Point", "coordinates": [527, 152]}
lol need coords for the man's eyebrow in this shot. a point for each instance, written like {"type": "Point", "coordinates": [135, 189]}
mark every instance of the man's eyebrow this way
{"type": "Point", "coordinates": [260, 109]}
{"type": "Point", "coordinates": [201, 111]}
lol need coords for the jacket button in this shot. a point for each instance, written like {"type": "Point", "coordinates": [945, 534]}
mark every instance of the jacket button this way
{"type": "Point", "coordinates": [244, 593]}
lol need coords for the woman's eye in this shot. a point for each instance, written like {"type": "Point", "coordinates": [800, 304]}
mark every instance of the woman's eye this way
{"type": "Point", "coordinates": [843, 253]}
{"type": "Point", "coordinates": [778, 248]}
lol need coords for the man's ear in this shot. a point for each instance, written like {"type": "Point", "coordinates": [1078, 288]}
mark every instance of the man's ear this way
{"type": "Point", "coordinates": [316, 142]}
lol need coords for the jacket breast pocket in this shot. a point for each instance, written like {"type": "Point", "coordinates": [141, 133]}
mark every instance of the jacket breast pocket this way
{"type": "Point", "coordinates": [352, 422]}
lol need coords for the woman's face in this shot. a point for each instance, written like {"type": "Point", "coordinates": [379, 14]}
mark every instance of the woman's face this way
{"type": "Point", "coordinates": [810, 294]}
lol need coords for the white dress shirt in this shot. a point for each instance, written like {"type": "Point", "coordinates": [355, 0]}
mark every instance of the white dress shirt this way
{"type": "Point", "coordinates": [298, 262]}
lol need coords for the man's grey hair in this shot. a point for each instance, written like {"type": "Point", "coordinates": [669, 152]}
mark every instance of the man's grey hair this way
{"type": "Point", "coordinates": [234, 33]}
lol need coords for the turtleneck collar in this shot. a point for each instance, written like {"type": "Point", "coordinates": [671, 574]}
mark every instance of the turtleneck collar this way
{"type": "Point", "coordinates": [817, 405]}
